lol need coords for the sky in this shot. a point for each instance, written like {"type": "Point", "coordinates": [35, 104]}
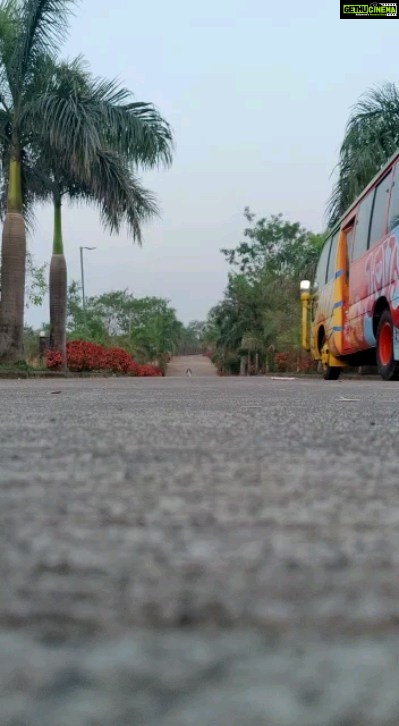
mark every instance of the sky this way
{"type": "Point", "coordinates": [258, 95]}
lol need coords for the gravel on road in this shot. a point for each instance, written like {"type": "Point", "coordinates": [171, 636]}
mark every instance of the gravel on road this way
{"type": "Point", "coordinates": [205, 551]}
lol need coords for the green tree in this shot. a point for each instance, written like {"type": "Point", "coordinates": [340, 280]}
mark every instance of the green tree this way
{"type": "Point", "coordinates": [147, 327]}
{"type": "Point", "coordinates": [275, 244]}
{"type": "Point", "coordinates": [254, 315]}
{"type": "Point", "coordinates": [155, 329]}
{"type": "Point", "coordinates": [371, 137]}
{"type": "Point", "coordinates": [261, 308]}
{"type": "Point", "coordinates": [226, 325]}
{"type": "Point", "coordinates": [80, 326]}
{"type": "Point", "coordinates": [36, 285]}
{"type": "Point", "coordinates": [115, 310]}
{"type": "Point", "coordinates": [192, 338]}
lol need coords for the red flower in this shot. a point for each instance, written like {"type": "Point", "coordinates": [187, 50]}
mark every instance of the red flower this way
{"type": "Point", "coordinates": [54, 360]}
{"type": "Point", "coordinates": [85, 356]}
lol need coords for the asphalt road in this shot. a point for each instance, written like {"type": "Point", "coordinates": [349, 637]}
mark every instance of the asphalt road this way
{"type": "Point", "coordinates": [199, 552]}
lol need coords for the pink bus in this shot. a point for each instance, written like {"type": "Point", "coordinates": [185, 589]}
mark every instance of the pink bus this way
{"type": "Point", "coordinates": [353, 307]}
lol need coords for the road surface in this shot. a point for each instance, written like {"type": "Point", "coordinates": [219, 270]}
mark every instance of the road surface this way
{"type": "Point", "coordinates": [200, 365]}
{"type": "Point", "coordinates": [199, 552]}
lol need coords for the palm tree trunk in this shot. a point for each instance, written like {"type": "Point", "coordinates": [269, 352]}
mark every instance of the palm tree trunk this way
{"type": "Point", "coordinates": [243, 365]}
{"type": "Point", "coordinates": [58, 287]}
{"type": "Point", "coordinates": [13, 256]}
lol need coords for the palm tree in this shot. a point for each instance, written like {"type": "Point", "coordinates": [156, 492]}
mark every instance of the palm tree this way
{"type": "Point", "coordinates": [112, 187]}
{"type": "Point", "coordinates": [371, 137]}
{"type": "Point", "coordinates": [87, 130]}
{"type": "Point", "coordinates": [110, 181]}
{"type": "Point", "coordinates": [27, 28]}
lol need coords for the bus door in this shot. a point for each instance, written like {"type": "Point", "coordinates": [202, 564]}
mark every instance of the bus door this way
{"type": "Point", "coordinates": [348, 234]}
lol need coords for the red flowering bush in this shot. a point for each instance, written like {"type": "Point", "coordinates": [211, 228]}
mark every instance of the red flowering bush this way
{"type": "Point", "coordinates": [295, 362]}
{"type": "Point", "coordinates": [54, 360]}
{"type": "Point", "coordinates": [306, 364]}
{"type": "Point", "coordinates": [281, 362]}
{"type": "Point", "coordinates": [118, 360]}
{"type": "Point", "coordinates": [147, 370]}
{"type": "Point", "coordinates": [85, 356]}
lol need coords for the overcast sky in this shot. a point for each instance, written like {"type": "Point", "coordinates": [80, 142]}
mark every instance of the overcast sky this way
{"type": "Point", "coordinates": [258, 94]}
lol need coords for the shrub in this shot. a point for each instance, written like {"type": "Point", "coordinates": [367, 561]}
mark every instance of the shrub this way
{"type": "Point", "coordinates": [118, 360]}
{"type": "Point", "coordinates": [294, 361]}
{"type": "Point", "coordinates": [85, 356]}
{"type": "Point", "coordinates": [54, 360]}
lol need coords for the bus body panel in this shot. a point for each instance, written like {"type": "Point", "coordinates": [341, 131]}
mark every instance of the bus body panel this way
{"type": "Point", "coordinates": [348, 296]}
{"type": "Point", "coordinates": [330, 307]}
{"type": "Point", "coordinates": [373, 276]}
{"type": "Point", "coordinates": [340, 297]}
{"type": "Point", "coordinates": [323, 315]}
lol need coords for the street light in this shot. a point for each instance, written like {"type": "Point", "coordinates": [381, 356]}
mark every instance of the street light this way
{"type": "Point", "coordinates": [305, 286]}
{"type": "Point", "coordinates": [83, 285]}
{"type": "Point", "coordinates": [42, 343]}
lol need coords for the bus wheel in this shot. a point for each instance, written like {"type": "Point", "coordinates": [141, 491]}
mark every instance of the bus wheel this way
{"type": "Point", "coordinates": [330, 373]}
{"type": "Point", "coordinates": [388, 368]}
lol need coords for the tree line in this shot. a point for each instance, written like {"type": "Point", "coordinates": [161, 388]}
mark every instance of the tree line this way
{"type": "Point", "coordinates": [260, 313]}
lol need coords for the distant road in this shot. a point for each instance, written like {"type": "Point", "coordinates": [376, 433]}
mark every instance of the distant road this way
{"type": "Point", "coordinates": [200, 366]}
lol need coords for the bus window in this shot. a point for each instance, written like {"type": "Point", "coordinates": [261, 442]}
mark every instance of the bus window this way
{"type": "Point", "coordinates": [362, 226]}
{"type": "Point", "coordinates": [333, 257]}
{"type": "Point", "coordinates": [349, 235]}
{"type": "Point", "coordinates": [379, 217]}
{"type": "Point", "coordinates": [393, 219]}
{"type": "Point", "coordinates": [321, 271]}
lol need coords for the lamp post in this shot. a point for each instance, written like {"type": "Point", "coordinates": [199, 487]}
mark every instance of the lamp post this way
{"type": "Point", "coordinates": [83, 285]}
{"type": "Point", "coordinates": [43, 340]}
{"type": "Point", "coordinates": [305, 298]}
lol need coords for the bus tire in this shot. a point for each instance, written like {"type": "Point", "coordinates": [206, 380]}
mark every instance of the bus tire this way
{"type": "Point", "coordinates": [388, 368]}
{"type": "Point", "coordinates": [331, 373]}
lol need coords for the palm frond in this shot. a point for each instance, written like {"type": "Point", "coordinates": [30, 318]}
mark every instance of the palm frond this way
{"type": "Point", "coordinates": [371, 137]}
{"type": "Point", "coordinates": [44, 26]}
{"type": "Point", "coordinates": [119, 195]}
{"type": "Point", "coordinates": [135, 128]}
{"type": "Point", "coordinates": [82, 114]}
{"type": "Point", "coordinates": [10, 28]}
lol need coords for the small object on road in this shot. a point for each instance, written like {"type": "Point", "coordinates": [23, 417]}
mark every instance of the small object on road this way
{"type": "Point", "coordinates": [54, 392]}
{"type": "Point", "coordinates": [283, 378]}
{"type": "Point", "coordinates": [189, 373]}
{"type": "Point", "coordinates": [342, 398]}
